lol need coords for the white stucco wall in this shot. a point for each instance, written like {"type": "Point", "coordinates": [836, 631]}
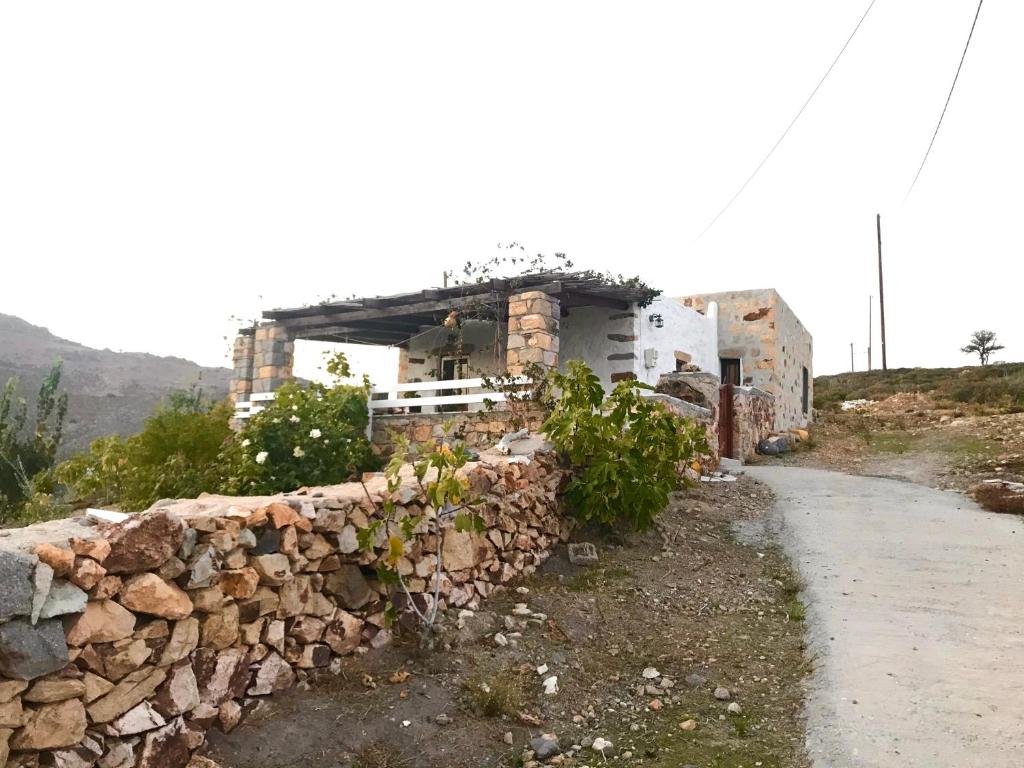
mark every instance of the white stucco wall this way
{"type": "Point", "coordinates": [478, 339]}
{"type": "Point", "coordinates": [592, 334]}
{"type": "Point", "coordinates": [685, 331]}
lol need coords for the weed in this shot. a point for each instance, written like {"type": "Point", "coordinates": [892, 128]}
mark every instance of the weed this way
{"type": "Point", "coordinates": [596, 579]}
{"type": "Point", "coordinates": [997, 498]}
{"type": "Point", "coordinates": [379, 755]}
{"type": "Point", "coordinates": [500, 695]}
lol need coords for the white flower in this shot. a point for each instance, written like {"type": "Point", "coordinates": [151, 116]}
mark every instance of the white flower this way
{"type": "Point", "coordinates": [245, 443]}
{"type": "Point", "coordinates": [314, 433]}
{"type": "Point", "coordinates": [294, 419]}
{"type": "Point", "coordinates": [298, 453]}
{"type": "Point", "coordinates": [295, 407]}
{"type": "Point", "coordinates": [326, 441]}
{"type": "Point", "coordinates": [261, 457]}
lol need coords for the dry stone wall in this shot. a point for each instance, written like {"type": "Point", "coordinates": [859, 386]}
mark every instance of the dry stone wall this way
{"type": "Point", "coordinates": [753, 420]}
{"type": "Point", "coordinates": [479, 430]}
{"type": "Point", "coordinates": [122, 643]}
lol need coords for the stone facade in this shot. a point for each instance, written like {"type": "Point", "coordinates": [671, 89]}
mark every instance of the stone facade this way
{"type": "Point", "coordinates": [775, 350]}
{"type": "Point", "coordinates": [533, 320]}
{"type": "Point", "coordinates": [700, 392]}
{"type": "Point", "coordinates": [273, 357]}
{"type": "Point", "coordinates": [753, 419]}
{"type": "Point", "coordinates": [121, 644]}
{"type": "Point", "coordinates": [242, 360]}
{"type": "Point", "coordinates": [479, 430]}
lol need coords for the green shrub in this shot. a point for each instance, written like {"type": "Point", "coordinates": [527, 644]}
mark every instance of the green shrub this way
{"type": "Point", "coordinates": [311, 435]}
{"type": "Point", "coordinates": [314, 435]}
{"type": "Point", "coordinates": [625, 451]}
{"type": "Point", "coordinates": [177, 455]}
{"type": "Point", "coordinates": [24, 451]}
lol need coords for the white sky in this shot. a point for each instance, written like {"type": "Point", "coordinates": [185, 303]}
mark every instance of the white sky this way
{"type": "Point", "coordinates": [164, 167]}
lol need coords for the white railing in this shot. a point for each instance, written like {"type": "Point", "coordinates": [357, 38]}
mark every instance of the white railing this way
{"type": "Point", "coordinates": [392, 399]}
{"type": "Point", "coordinates": [246, 408]}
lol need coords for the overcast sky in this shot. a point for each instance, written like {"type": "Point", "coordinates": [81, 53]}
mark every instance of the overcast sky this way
{"type": "Point", "coordinates": [165, 167]}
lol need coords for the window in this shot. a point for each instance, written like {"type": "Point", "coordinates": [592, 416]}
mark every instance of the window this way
{"type": "Point", "coordinates": [730, 370]}
{"type": "Point", "coordinates": [806, 391]}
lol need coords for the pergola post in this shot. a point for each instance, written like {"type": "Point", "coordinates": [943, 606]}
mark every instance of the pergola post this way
{"type": "Point", "coordinates": [273, 357]}
{"type": "Point", "coordinates": [242, 358]}
{"type": "Point", "coordinates": [533, 320]}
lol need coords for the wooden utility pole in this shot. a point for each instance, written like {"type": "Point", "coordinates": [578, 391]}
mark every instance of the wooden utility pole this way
{"type": "Point", "coordinates": [851, 357]}
{"type": "Point", "coordinates": [870, 300]}
{"type": "Point", "coordinates": [881, 290]}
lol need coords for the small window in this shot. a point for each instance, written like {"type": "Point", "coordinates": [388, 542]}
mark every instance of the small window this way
{"type": "Point", "coordinates": [806, 391]}
{"type": "Point", "coordinates": [730, 370]}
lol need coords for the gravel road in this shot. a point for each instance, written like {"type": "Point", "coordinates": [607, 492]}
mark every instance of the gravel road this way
{"type": "Point", "coordinates": [915, 619]}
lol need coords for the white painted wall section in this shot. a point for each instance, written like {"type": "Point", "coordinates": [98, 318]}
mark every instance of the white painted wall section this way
{"type": "Point", "coordinates": [684, 330]}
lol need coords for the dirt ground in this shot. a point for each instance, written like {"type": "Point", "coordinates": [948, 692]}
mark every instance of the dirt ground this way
{"type": "Point", "coordinates": [909, 437]}
{"type": "Point", "coordinates": [703, 602]}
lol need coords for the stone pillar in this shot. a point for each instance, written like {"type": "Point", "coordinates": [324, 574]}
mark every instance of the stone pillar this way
{"type": "Point", "coordinates": [242, 357]}
{"type": "Point", "coordinates": [273, 357]}
{"type": "Point", "coordinates": [533, 319]}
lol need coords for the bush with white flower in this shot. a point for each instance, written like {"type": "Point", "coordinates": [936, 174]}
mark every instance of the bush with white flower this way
{"type": "Point", "coordinates": [309, 435]}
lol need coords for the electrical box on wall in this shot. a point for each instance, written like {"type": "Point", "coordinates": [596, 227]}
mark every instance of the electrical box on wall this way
{"type": "Point", "coordinates": [650, 358]}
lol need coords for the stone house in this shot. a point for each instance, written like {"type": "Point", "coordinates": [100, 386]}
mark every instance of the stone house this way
{"type": "Point", "coordinates": [762, 343]}
{"type": "Point", "coordinates": [466, 332]}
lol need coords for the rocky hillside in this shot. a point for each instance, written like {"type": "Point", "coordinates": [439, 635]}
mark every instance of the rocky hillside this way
{"type": "Point", "coordinates": [108, 392]}
{"type": "Point", "coordinates": [997, 387]}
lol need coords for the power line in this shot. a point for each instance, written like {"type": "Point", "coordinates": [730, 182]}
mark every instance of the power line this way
{"type": "Point", "coordinates": [948, 97]}
{"type": "Point", "coordinates": [792, 122]}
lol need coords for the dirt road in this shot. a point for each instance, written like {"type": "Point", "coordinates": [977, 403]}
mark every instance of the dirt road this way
{"type": "Point", "coordinates": [915, 619]}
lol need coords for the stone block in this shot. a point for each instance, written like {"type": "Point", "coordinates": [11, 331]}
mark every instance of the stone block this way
{"type": "Point", "coordinates": [16, 571]}
{"type": "Point", "coordinates": [28, 652]}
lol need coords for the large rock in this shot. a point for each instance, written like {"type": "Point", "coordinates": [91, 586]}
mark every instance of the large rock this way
{"type": "Point", "coordinates": [52, 726]}
{"type": "Point", "coordinates": [120, 754]}
{"type": "Point", "coordinates": [167, 747]}
{"type": "Point", "coordinates": [27, 651]}
{"type": "Point", "coordinates": [18, 587]}
{"type": "Point", "coordinates": [148, 593]}
{"type": "Point", "coordinates": [343, 633]}
{"type": "Point", "coordinates": [144, 542]}
{"type": "Point", "coordinates": [220, 676]}
{"type": "Point", "coordinates": [42, 580]}
{"type": "Point", "coordinates": [83, 755]}
{"type": "Point", "coordinates": [63, 598]}
{"type": "Point", "coordinates": [136, 687]}
{"type": "Point", "coordinates": [220, 630]}
{"type": "Point", "coordinates": [184, 639]}
{"type": "Point", "coordinates": [241, 583]}
{"type": "Point", "coordinates": [463, 550]}
{"type": "Point", "coordinates": [351, 587]}
{"type": "Point", "coordinates": [103, 621]}
{"type": "Point", "coordinates": [275, 674]}
{"type": "Point", "coordinates": [54, 689]}
{"type": "Point", "coordinates": [11, 688]}
{"type": "Point", "coordinates": [179, 693]}
{"type": "Point", "coordinates": [139, 719]}
{"type": "Point", "coordinates": [274, 570]}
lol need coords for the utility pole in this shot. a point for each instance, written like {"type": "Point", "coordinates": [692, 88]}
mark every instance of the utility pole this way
{"type": "Point", "coordinates": [851, 357]}
{"type": "Point", "coordinates": [870, 300]}
{"type": "Point", "coordinates": [881, 290]}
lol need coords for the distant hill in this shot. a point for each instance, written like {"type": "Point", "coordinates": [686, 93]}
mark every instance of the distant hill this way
{"type": "Point", "coordinates": [998, 386]}
{"type": "Point", "coordinates": [108, 392]}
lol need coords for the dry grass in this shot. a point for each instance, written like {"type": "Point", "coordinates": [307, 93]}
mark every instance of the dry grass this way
{"type": "Point", "coordinates": [997, 498]}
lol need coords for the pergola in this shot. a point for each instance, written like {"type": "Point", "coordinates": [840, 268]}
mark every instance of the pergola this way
{"type": "Point", "coordinates": [264, 354]}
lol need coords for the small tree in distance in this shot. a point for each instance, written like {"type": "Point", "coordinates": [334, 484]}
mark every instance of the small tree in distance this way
{"type": "Point", "coordinates": [983, 344]}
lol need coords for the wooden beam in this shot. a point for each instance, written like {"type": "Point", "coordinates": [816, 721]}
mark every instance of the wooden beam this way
{"type": "Point", "coordinates": [422, 307]}
{"type": "Point", "coordinates": [571, 299]}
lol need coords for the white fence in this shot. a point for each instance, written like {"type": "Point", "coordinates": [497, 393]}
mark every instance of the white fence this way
{"type": "Point", "coordinates": [467, 392]}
